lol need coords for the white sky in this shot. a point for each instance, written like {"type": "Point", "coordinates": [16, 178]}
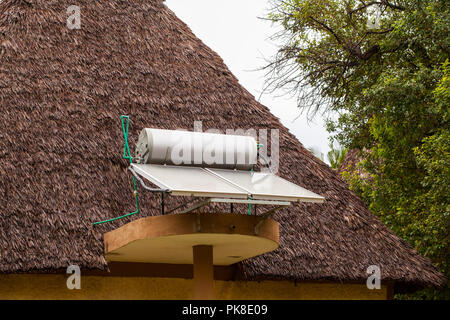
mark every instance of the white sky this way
{"type": "Point", "coordinates": [233, 30]}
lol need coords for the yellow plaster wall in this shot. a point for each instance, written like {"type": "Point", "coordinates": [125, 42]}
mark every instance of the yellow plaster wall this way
{"type": "Point", "coordinates": [46, 286]}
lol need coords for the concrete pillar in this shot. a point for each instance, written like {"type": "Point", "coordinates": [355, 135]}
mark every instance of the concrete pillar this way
{"type": "Point", "coordinates": [203, 272]}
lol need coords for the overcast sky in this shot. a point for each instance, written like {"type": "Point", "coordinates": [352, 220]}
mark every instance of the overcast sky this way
{"type": "Point", "coordinates": [233, 30]}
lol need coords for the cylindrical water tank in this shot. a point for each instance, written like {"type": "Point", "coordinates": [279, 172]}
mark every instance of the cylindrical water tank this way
{"type": "Point", "coordinates": [176, 147]}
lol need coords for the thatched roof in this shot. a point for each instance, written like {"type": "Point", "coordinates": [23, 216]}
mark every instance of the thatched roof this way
{"type": "Point", "coordinates": [61, 94]}
{"type": "Point", "coordinates": [350, 163]}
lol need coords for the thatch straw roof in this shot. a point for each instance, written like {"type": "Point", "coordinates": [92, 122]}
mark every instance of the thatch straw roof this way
{"type": "Point", "coordinates": [350, 163]}
{"type": "Point", "coordinates": [61, 94]}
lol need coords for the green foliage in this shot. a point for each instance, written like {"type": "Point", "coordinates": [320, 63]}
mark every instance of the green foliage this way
{"type": "Point", "coordinates": [336, 156]}
{"type": "Point", "coordinates": [390, 89]}
{"type": "Point", "coordinates": [316, 152]}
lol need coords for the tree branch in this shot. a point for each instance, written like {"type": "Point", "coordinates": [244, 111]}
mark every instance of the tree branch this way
{"type": "Point", "coordinates": [364, 6]}
{"type": "Point", "coordinates": [327, 28]}
{"type": "Point", "coordinates": [392, 6]}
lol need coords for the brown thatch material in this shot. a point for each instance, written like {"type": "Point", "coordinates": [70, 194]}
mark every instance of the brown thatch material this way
{"type": "Point", "coordinates": [61, 95]}
{"type": "Point", "coordinates": [350, 161]}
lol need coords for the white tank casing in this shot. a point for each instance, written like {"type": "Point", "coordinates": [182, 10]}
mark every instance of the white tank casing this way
{"type": "Point", "coordinates": [177, 147]}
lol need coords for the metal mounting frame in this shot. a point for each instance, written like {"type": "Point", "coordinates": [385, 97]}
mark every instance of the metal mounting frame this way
{"type": "Point", "coordinates": [265, 216]}
{"type": "Point", "coordinates": [205, 202]}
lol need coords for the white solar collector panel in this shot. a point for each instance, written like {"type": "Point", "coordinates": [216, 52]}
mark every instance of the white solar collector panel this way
{"type": "Point", "coordinates": [204, 182]}
{"type": "Point", "coordinates": [188, 181]}
{"type": "Point", "coordinates": [267, 186]}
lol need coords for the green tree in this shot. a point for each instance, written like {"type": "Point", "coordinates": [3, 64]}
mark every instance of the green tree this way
{"type": "Point", "coordinates": [388, 84]}
{"type": "Point", "coordinates": [336, 155]}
